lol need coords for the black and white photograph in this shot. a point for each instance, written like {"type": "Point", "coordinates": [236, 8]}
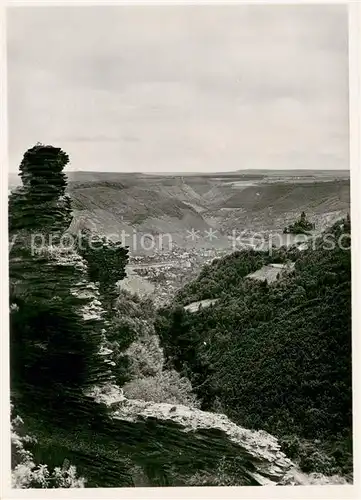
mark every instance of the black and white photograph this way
{"type": "Point", "coordinates": [179, 246]}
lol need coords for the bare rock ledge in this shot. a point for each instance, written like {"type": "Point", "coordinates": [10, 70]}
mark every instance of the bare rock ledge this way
{"type": "Point", "coordinates": [191, 433]}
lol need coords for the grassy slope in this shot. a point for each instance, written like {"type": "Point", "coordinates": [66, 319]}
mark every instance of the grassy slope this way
{"type": "Point", "coordinates": [283, 197]}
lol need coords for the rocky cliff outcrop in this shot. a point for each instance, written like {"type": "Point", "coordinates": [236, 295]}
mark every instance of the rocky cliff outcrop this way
{"type": "Point", "coordinates": [203, 448]}
{"type": "Point", "coordinates": [196, 442]}
{"type": "Point", "coordinates": [57, 320]}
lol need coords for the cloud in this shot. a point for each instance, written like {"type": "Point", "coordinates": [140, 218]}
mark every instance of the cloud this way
{"type": "Point", "coordinates": [181, 87]}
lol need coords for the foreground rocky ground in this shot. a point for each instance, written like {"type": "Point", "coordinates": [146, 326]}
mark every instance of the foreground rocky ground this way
{"type": "Point", "coordinates": [190, 434]}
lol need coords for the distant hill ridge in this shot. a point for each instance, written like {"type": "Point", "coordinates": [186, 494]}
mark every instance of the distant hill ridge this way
{"type": "Point", "coordinates": [175, 204]}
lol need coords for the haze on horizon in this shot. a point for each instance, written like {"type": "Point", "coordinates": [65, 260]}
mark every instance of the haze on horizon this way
{"type": "Point", "coordinates": [181, 88]}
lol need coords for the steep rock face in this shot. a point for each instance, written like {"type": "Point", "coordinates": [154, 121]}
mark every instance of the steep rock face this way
{"type": "Point", "coordinates": [56, 276]}
{"type": "Point", "coordinates": [197, 441]}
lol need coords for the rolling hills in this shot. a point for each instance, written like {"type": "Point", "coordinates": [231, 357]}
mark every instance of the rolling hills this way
{"type": "Point", "coordinates": [144, 206]}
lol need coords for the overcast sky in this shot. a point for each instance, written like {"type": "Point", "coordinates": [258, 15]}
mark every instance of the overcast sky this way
{"type": "Point", "coordinates": [213, 88]}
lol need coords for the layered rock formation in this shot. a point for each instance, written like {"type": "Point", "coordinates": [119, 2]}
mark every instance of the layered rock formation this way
{"type": "Point", "coordinates": [178, 445]}
{"type": "Point", "coordinates": [191, 441]}
{"type": "Point", "coordinates": [57, 323]}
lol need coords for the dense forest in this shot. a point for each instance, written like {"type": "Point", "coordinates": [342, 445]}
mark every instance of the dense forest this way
{"type": "Point", "coordinates": [274, 356]}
